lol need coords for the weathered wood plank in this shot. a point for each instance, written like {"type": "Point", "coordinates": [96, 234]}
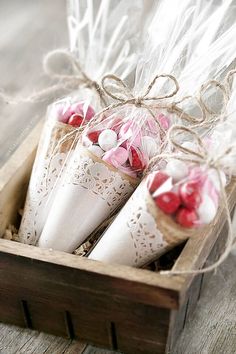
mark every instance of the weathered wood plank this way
{"type": "Point", "coordinates": [16, 340]}
{"type": "Point", "coordinates": [212, 327]}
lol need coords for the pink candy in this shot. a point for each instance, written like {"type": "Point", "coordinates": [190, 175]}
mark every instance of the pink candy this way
{"type": "Point", "coordinates": [164, 120]}
{"type": "Point", "coordinates": [116, 156]}
{"type": "Point", "coordinates": [83, 109]}
{"type": "Point", "coordinates": [130, 131]}
{"type": "Point", "coordinates": [63, 112]}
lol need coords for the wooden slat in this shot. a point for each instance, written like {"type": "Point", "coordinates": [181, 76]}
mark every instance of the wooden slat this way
{"type": "Point", "coordinates": [145, 286]}
{"type": "Point", "coordinates": [198, 248]}
{"type": "Point", "coordinates": [14, 177]}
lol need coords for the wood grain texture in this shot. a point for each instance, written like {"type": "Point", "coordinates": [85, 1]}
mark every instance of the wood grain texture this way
{"type": "Point", "coordinates": [17, 340]}
{"type": "Point", "coordinates": [102, 304]}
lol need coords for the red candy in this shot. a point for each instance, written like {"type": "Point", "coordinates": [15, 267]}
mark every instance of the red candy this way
{"type": "Point", "coordinates": [82, 109]}
{"type": "Point", "coordinates": [135, 159]}
{"type": "Point", "coordinates": [186, 217]}
{"type": "Point", "coordinates": [168, 202]}
{"type": "Point", "coordinates": [190, 195]}
{"type": "Point", "coordinates": [157, 180]}
{"type": "Point", "coordinates": [93, 136]}
{"type": "Point", "coordinates": [75, 120]}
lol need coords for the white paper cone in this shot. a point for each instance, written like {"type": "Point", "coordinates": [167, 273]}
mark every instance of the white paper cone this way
{"type": "Point", "coordinates": [133, 238]}
{"type": "Point", "coordinates": [92, 190]}
{"type": "Point", "coordinates": [41, 190]}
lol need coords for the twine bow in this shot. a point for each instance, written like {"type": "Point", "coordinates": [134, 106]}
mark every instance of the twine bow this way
{"type": "Point", "coordinates": [111, 83]}
{"type": "Point", "coordinates": [70, 81]}
{"type": "Point", "coordinates": [201, 156]}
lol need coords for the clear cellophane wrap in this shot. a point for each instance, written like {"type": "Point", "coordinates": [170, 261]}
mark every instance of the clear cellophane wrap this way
{"type": "Point", "coordinates": [124, 138]}
{"type": "Point", "coordinates": [94, 30]}
{"type": "Point", "coordinates": [142, 231]}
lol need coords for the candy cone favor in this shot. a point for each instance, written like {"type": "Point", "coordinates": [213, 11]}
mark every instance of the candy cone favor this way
{"type": "Point", "coordinates": [174, 202]}
{"type": "Point", "coordinates": [57, 139]}
{"type": "Point", "coordinates": [135, 237]}
{"type": "Point", "coordinates": [90, 192]}
{"type": "Point", "coordinates": [94, 50]}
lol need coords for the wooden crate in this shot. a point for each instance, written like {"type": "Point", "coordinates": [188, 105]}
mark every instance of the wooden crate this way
{"type": "Point", "coordinates": [117, 307]}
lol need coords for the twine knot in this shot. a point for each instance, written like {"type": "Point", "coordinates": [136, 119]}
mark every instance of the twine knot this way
{"type": "Point", "coordinates": [200, 155]}
{"type": "Point", "coordinates": [117, 89]}
{"type": "Point", "coordinates": [138, 101]}
{"type": "Point", "coordinates": [71, 79]}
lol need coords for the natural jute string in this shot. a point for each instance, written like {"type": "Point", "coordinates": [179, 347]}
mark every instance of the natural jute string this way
{"type": "Point", "coordinates": [201, 156]}
{"type": "Point", "coordinates": [69, 82]}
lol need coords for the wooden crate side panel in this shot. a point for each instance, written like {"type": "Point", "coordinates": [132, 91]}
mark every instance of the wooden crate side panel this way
{"type": "Point", "coordinates": [143, 338]}
{"type": "Point", "coordinates": [14, 177]}
{"type": "Point", "coordinates": [55, 268]}
{"type": "Point", "coordinates": [198, 248]}
{"type": "Point", "coordinates": [11, 310]}
{"type": "Point", "coordinates": [181, 316]}
{"type": "Point", "coordinates": [70, 310]}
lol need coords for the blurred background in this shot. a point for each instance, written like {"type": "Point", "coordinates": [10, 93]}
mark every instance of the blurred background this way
{"type": "Point", "coordinates": [29, 29]}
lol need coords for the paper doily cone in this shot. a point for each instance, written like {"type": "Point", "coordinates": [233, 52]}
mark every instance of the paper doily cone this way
{"type": "Point", "coordinates": [48, 164]}
{"type": "Point", "coordinates": [140, 233]}
{"type": "Point", "coordinates": [91, 191]}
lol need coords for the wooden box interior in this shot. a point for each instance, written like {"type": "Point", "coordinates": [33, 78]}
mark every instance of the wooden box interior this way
{"type": "Point", "coordinates": [117, 307]}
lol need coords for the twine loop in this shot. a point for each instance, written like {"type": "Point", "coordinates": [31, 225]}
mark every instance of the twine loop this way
{"type": "Point", "coordinates": [201, 156]}
{"type": "Point", "coordinates": [69, 81]}
{"type": "Point", "coordinates": [111, 84]}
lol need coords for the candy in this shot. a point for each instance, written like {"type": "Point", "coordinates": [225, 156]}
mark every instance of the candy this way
{"type": "Point", "coordinates": [117, 124]}
{"type": "Point", "coordinates": [210, 189]}
{"type": "Point", "coordinates": [164, 120]}
{"type": "Point", "coordinates": [130, 131]}
{"type": "Point", "coordinates": [149, 146]}
{"type": "Point", "coordinates": [96, 150]}
{"type": "Point", "coordinates": [127, 170]}
{"type": "Point", "coordinates": [82, 109]}
{"type": "Point", "coordinates": [156, 180]}
{"type": "Point", "coordinates": [190, 195]}
{"type": "Point", "coordinates": [76, 120]}
{"type": "Point", "coordinates": [93, 136]}
{"type": "Point", "coordinates": [136, 159]}
{"type": "Point", "coordinates": [116, 156]}
{"type": "Point", "coordinates": [186, 217]}
{"type": "Point", "coordinates": [107, 139]}
{"type": "Point", "coordinates": [168, 202]}
{"type": "Point", "coordinates": [214, 177]}
{"type": "Point", "coordinates": [61, 112]}
{"type": "Point", "coordinates": [152, 127]}
{"type": "Point", "coordinates": [176, 169]}
{"type": "Point", "coordinates": [207, 210]}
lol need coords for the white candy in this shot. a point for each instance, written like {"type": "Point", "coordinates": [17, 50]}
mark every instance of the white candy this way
{"type": "Point", "coordinates": [207, 210]}
{"type": "Point", "coordinates": [150, 146]}
{"type": "Point", "coordinates": [213, 176]}
{"type": "Point", "coordinates": [107, 139]}
{"type": "Point", "coordinates": [176, 169]}
{"type": "Point", "coordinates": [96, 150]}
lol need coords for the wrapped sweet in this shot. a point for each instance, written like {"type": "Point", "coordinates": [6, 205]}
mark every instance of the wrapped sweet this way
{"type": "Point", "coordinates": [171, 204]}
{"type": "Point", "coordinates": [64, 118]}
{"type": "Point", "coordinates": [92, 52]}
{"type": "Point", "coordinates": [112, 155]}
